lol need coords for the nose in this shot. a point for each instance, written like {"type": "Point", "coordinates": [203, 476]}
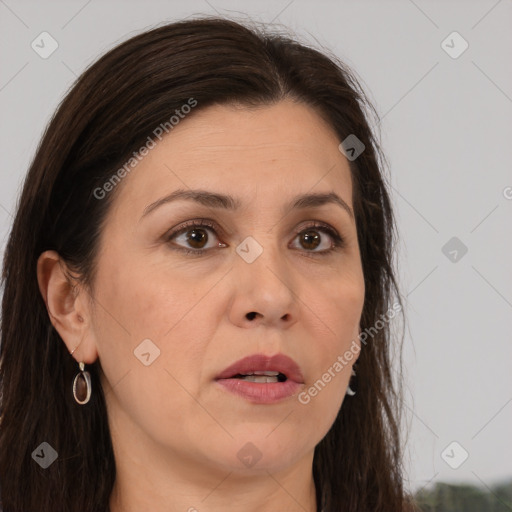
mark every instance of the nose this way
{"type": "Point", "coordinates": [263, 291]}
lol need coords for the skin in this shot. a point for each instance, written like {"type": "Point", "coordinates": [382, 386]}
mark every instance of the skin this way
{"type": "Point", "coordinates": [176, 433]}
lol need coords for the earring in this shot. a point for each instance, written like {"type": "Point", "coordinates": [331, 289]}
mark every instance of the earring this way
{"type": "Point", "coordinates": [350, 391]}
{"type": "Point", "coordinates": [82, 385]}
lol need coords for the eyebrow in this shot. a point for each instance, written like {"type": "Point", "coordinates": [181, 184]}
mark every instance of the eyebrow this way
{"type": "Point", "coordinates": [217, 200]}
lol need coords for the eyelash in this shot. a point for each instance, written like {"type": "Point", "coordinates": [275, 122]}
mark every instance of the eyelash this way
{"type": "Point", "coordinates": [339, 242]}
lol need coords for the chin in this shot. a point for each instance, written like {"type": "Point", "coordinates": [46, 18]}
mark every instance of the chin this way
{"type": "Point", "coordinates": [264, 452]}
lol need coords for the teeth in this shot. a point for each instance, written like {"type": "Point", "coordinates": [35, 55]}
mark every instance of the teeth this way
{"type": "Point", "coordinates": [263, 379]}
{"type": "Point", "coordinates": [271, 374]}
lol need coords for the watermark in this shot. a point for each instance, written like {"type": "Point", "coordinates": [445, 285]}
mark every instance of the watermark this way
{"type": "Point", "coordinates": [137, 156]}
{"type": "Point", "coordinates": [454, 45]}
{"type": "Point", "coordinates": [44, 45]}
{"type": "Point", "coordinates": [146, 352]}
{"type": "Point", "coordinates": [249, 454]}
{"type": "Point", "coordinates": [343, 360]}
{"type": "Point", "coordinates": [249, 249]}
{"type": "Point", "coordinates": [352, 147]}
{"type": "Point", "coordinates": [45, 455]}
{"type": "Point", "coordinates": [507, 193]}
{"type": "Point", "coordinates": [454, 455]}
{"type": "Point", "coordinates": [454, 249]}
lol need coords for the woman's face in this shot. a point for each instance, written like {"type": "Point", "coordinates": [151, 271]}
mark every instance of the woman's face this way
{"type": "Point", "coordinates": [175, 305]}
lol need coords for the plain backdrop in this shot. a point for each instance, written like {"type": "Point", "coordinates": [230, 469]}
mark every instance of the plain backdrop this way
{"type": "Point", "coordinates": [447, 133]}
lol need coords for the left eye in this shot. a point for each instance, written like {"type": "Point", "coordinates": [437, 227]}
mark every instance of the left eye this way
{"type": "Point", "coordinates": [195, 234]}
{"type": "Point", "coordinates": [311, 238]}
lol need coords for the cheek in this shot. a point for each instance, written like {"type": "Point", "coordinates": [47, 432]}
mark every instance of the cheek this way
{"type": "Point", "coordinates": [338, 306]}
{"type": "Point", "coordinates": [150, 335]}
{"type": "Point", "coordinates": [335, 312]}
{"type": "Point", "coordinates": [146, 300]}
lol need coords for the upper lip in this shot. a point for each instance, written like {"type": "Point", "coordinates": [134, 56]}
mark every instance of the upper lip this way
{"type": "Point", "coordinates": [260, 362]}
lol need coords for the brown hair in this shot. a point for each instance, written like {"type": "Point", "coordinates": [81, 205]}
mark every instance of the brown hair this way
{"type": "Point", "coordinates": [107, 115]}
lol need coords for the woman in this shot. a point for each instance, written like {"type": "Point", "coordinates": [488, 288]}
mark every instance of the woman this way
{"type": "Point", "coordinates": [198, 288]}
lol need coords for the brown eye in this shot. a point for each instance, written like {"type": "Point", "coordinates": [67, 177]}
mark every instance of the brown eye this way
{"type": "Point", "coordinates": [310, 240]}
{"type": "Point", "coordinates": [193, 237]}
{"type": "Point", "coordinates": [197, 238]}
{"type": "Point", "coordinates": [315, 235]}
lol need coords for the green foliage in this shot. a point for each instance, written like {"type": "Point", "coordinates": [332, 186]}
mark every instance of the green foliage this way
{"type": "Point", "coordinates": [444, 497]}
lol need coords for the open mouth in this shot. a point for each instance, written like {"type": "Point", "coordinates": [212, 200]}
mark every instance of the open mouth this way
{"type": "Point", "coordinates": [261, 377]}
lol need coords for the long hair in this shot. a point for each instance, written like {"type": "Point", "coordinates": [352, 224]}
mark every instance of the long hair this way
{"type": "Point", "coordinates": [107, 115]}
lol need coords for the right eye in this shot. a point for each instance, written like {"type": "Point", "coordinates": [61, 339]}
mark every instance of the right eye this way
{"type": "Point", "coordinates": [194, 233]}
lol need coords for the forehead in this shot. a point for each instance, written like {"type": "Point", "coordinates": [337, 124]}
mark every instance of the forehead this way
{"type": "Point", "coordinates": [285, 148]}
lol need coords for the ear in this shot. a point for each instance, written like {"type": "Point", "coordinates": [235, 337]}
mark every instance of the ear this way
{"type": "Point", "coordinates": [68, 306]}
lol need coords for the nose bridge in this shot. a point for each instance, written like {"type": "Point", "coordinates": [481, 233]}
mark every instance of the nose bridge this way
{"type": "Point", "coordinates": [263, 256]}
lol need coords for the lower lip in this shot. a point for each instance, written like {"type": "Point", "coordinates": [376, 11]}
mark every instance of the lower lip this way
{"type": "Point", "coordinates": [262, 393]}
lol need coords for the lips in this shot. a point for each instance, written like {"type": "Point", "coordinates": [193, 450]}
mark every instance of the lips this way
{"type": "Point", "coordinates": [259, 363]}
{"type": "Point", "coordinates": [260, 379]}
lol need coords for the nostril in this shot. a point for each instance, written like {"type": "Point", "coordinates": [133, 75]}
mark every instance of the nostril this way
{"type": "Point", "coordinates": [251, 315]}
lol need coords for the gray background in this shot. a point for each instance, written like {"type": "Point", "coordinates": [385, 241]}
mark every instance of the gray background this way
{"type": "Point", "coordinates": [447, 133]}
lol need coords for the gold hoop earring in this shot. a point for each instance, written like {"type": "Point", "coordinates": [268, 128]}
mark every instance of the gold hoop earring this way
{"type": "Point", "coordinates": [82, 385]}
